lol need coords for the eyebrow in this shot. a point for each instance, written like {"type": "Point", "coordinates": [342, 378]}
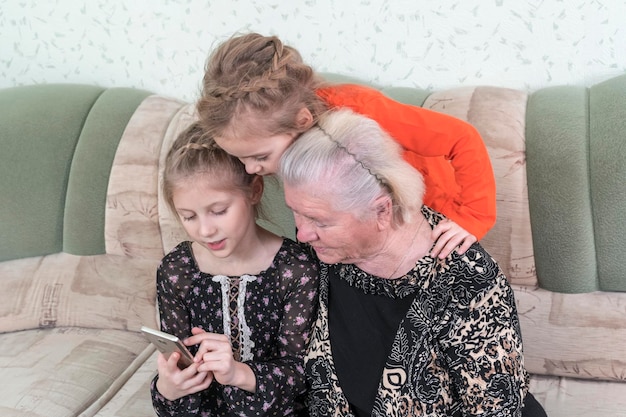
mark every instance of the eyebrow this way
{"type": "Point", "coordinates": [313, 219]}
{"type": "Point", "coordinates": [255, 155]}
{"type": "Point", "coordinates": [209, 207]}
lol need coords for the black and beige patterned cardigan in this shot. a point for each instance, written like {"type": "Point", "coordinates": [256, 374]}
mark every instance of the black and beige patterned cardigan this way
{"type": "Point", "coordinates": [457, 352]}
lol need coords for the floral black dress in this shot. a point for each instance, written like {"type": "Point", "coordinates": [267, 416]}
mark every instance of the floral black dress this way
{"type": "Point", "coordinates": [454, 345]}
{"type": "Point", "coordinates": [267, 316]}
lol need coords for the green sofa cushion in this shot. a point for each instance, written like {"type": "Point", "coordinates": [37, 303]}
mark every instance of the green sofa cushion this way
{"type": "Point", "coordinates": [607, 151]}
{"type": "Point", "coordinates": [408, 95]}
{"type": "Point", "coordinates": [558, 188]}
{"type": "Point", "coordinates": [83, 231]}
{"type": "Point", "coordinates": [58, 144]}
{"type": "Point", "coordinates": [278, 217]}
{"type": "Point", "coordinates": [576, 158]}
{"type": "Point", "coordinates": [39, 126]}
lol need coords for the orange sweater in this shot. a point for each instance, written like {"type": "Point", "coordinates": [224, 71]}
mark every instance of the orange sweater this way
{"type": "Point", "coordinates": [449, 153]}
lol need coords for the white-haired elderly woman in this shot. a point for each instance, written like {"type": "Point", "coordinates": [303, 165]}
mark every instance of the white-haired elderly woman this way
{"type": "Point", "coordinates": [398, 333]}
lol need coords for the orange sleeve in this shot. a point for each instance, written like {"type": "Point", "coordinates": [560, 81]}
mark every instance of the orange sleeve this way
{"type": "Point", "coordinates": [449, 153]}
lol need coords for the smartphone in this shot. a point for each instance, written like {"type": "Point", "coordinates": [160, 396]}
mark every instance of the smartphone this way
{"type": "Point", "coordinates": [167, 343]}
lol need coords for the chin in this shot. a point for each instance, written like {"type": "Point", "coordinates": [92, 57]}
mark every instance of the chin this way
{"type": "Point", "coordinates": [327, 259]}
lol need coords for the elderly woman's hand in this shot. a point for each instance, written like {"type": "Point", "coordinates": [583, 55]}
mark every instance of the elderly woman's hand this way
{"type": "Point", "coordinates": [449, 236]}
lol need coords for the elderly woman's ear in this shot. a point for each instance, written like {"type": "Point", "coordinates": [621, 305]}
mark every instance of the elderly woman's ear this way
{"type": "Point", "coordinates": [384, 210]}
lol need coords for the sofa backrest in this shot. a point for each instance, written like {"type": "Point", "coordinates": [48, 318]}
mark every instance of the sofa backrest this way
{"type": "Point", "coordinates": [71, 186]}
{"type": "Point", "coordinates": [576, 156]}
{"type": "Point", "coordinates": [58, 144]}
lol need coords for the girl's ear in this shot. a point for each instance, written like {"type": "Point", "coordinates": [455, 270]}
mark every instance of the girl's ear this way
{"type": "Point", "coordinates": [304, 119]}
{"type": "Point", "coordinates": [384, 211]}
{"type": "Point", "coordinates": [257, 187]}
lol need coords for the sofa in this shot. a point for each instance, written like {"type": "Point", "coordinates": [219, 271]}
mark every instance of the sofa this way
{"type": "Point", "coordinates": [83, 227]}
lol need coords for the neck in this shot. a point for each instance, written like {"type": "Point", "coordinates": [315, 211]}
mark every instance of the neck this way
{"type": "Point", "coordinates": [402, 248]}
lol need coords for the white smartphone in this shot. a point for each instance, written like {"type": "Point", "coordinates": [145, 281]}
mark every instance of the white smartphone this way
{"type": "Point", "coordinates": [167, 343]}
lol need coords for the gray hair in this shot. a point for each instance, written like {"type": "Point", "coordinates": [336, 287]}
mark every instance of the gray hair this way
{"type": "Point", "coordinates": [353, 161]}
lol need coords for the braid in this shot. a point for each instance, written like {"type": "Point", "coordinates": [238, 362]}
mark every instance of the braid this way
{"type": "Point", "coordinates": [267, 80]}
{"type": "Point", "coordinates": [193, 153]}
{"type": "Point", "coordinates": [195, 146]}
{"type": "Point", "coordinates": [278, 51]}
{"type": "Point", "coordinates": [258, 76]}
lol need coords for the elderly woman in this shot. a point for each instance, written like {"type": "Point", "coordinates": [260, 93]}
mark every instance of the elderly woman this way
{"type": "Point", "coordinates": [398, 332]}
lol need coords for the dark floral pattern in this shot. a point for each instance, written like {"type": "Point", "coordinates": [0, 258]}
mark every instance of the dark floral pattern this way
{"type": "Point", "coordinates": [279, 309]}
{"type": "Point", "coordinates": [458, 351]}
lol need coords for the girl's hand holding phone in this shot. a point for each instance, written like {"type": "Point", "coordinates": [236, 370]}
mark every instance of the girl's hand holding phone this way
{"type": "Point", "coordinates": [215, 355]}
{"type": "Point", "coordinates": [174, 383]}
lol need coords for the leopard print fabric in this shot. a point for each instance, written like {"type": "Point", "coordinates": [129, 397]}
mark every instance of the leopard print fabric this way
{"type": "Point", "coordinates": [457, 352]}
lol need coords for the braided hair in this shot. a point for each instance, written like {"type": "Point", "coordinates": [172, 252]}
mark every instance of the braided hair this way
{"type": "Point", "coordinates": [255, 83]}
{"type": "Point", "coordinates": [195, 153]}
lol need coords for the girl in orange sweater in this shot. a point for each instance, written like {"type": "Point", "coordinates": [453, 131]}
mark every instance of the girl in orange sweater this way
{"type": "Point", "coordinates": [258, 96]}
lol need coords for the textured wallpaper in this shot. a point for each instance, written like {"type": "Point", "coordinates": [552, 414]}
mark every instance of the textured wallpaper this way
{"type": "Point", "coordinates": [161, 45]}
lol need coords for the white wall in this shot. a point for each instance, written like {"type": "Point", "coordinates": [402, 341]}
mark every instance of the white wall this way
{"type": "Point", "coordinates": [161, 45]}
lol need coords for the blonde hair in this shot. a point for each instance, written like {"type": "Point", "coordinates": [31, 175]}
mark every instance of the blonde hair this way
{"type": "Point", "coordinates": [255, 83]}
{"type": "Point", "coordinates": [350, 157]}
{"type": "Point", "coordinates": [196, 153]}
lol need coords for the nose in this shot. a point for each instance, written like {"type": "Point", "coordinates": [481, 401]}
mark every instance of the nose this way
{"type": "Point", "coordinates": [305, 232]}
{"type": "Point", "coordinates": [206, 228]}
{"type": "Point", "coordinates": [252, 167]}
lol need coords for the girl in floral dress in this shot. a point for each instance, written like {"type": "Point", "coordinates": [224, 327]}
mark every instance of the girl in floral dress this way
{"type": "Point", "coordinates": [240, 297]}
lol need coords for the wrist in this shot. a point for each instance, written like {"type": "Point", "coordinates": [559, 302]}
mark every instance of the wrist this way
{"type": "Point", "coordinates": [161, 388]}
{"type": "Point", "coordinates": [244, 377]}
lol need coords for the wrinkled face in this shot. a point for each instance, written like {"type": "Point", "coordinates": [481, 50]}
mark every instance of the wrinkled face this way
{"type": "Point", "coordinates": [336, 236]}
{"type": "Point", "coordinates": [261, 155]}
{"type": "Point", "coordinates": [216, 218]}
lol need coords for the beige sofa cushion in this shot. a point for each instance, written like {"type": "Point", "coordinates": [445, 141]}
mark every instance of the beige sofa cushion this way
{"type": "Point", "coordinates": [65, 371]}
{"type": "Point", "coordinates": [79, 291]}
{"type": "Point", "coordinates": [132, 215]}
{"type": "Point", "coordinates": [572, 397]}
{"type": "Point", "coordinates": [574, 335]}
{"type": "Point", "coordinates": [172, 233]}
{"type": "Point", "coordinates": [499, 115]}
